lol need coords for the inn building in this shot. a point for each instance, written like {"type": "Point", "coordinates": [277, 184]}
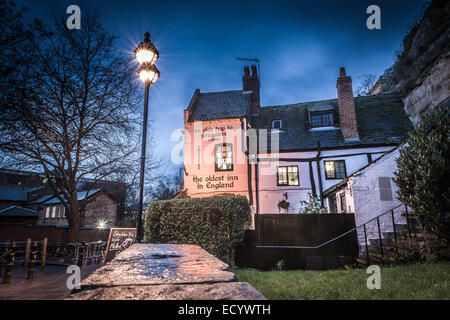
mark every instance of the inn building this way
{"type": "Point", "coordinates": [233, 145]}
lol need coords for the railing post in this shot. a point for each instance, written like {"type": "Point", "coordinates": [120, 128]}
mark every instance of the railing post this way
{"type": "Point", "coordinates": [27, 253]}
{"type": "Point", "coordinates": [44, 253]}
{"type": "Point", "coordinates": [81, 254]}
{"type": "Point", "coordinates": [30, 274]}
{"type": "Point", "coordinates": [381, 241]}
{"type": "Point", "coordinates": [367, 247]}
{"type": "Point", "coordinates": [395, 233]}
{"type": "Point", "coordinates": [407, 220]}
{"type": "Point", "coordinates": [10, 257]}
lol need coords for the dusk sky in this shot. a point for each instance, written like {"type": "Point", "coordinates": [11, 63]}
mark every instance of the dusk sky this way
{"type": "Point", "coordinates": [301, 45]}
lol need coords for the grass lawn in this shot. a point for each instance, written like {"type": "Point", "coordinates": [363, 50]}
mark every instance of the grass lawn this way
{"type": "Point", "coordinates": [419, 281]}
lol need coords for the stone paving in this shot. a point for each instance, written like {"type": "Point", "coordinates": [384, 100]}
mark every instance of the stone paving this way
{"type": "Point", "coordinates": [164, 271]}
{"type": "Point", "coordinates": [49, 283]}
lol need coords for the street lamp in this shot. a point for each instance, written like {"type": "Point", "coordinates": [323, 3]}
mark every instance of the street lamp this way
{"type": "Point", "coordinates": [146, 54]}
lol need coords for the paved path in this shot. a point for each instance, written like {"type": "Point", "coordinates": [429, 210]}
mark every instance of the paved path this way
{"type": "Point", "coordinates": [47, 284]}
{"type": "Point", "coordinates": [165, 271]}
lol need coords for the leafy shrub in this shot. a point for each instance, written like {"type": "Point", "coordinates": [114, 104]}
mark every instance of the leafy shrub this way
{"type": "Point", "coordinates": [312, 205]}
{"type": "Point", "coordinates": [217, 224]}
{"type": "Point", "coordinates": [424, 170]}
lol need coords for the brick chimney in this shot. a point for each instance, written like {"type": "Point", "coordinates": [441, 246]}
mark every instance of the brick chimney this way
{"type": "Point", "coordinates": [346, 102]}
{"type": "Point", "coordinates": [250, 82]}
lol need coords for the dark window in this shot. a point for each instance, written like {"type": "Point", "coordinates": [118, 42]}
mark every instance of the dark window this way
{"type": "Point", "coordinates": [321, 119]}
{"type": "Point", "coordinates": [343, 203]}
{"type": "Point", "coordinates": [223, 154]}
{"type": "Point", "coordinates": [335, 169]}
{"type": "Point", "coordinates": [287, 176]}
{"type": "Point", "coordinates": [385, 188]}
{"type": "Point", "coordinates": [277, 124]}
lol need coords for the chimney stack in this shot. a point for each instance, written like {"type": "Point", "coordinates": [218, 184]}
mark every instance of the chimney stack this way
{"type": "Point", "coordinates": [346, 102]}
{"type": "Point", "coordinates": [250, 82]}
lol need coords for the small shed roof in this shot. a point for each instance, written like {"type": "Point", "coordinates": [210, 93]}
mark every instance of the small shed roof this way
{"type": "Point", "coordinates": [15, 211]}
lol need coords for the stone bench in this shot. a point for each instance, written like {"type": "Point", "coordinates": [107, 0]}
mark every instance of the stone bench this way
{"type": "Point", "coordinates": [164, 272]}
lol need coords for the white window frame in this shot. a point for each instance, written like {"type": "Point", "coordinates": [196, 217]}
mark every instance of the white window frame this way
{"type": "Point", "coordinates": [280, 122]}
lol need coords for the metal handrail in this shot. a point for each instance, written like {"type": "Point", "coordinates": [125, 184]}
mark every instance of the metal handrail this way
{"type": "Point", "coordinates": [335, 238]}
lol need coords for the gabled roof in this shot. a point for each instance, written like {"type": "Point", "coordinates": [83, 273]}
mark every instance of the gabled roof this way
{"type": "Point", "coordinates": [381, 121]}
{"type": "Point", "coordinates": [14, 193]}
{"type": "Point", "coordinates": [219, 105]}
{"type": "Point", "coordinates": [81, 195]}
{"type": "Point", "coordinates": [15, 211]}
{"type": "Point", "coordinates": [343, 182]}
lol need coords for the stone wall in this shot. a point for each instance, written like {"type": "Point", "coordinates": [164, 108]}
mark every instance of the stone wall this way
{"type": "Point", "coordinates": [363, 190]}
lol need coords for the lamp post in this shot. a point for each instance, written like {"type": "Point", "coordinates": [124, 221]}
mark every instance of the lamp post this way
{"type": "Point", "coordinates": [146, 54]}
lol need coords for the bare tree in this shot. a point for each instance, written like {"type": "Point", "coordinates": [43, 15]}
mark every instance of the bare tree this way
{"type": "Point", "coordinates": [164, 188]}
{"type": "Point", "coordinates": [368, 80]}
{"type": "Point", "coordinates": [75, 114]}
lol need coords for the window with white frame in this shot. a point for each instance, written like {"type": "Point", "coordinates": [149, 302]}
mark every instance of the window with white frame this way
{"type": "Point", "coordinates": [321, 119]}
{"type": "Point", "coordinates": [277, 124]}
{"type": "Point", "coordinates": [223, 154]}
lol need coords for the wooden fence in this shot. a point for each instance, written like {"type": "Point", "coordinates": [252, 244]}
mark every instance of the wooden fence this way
{"type": "Point", "coordinates": [265, 247]}
{"type": "Point", "coordinates": [31, 254]}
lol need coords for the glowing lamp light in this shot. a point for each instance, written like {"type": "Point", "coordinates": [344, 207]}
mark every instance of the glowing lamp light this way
{"type": "Point", "coordinates": [146, 56]}
{"type": "Point", "coordinates": [146, 52]}
{"type": "Point", "coordinates": [149, 74]}
{"type": "Point", "coordinates": [101, 223]}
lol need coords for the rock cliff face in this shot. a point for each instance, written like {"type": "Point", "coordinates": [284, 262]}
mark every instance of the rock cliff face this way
{"type": "Point", "coordinates": [422, 73]}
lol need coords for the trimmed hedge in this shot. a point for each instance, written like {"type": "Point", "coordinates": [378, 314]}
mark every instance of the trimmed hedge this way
{"type": "Point", "coordinates": [217, 224]}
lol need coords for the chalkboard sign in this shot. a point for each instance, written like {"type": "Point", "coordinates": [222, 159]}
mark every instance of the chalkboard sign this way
{"type": "Point", "coordinates": [119, 239]}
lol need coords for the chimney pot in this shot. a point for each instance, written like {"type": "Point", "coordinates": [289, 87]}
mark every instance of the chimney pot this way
{"type": "Point", "coordinates": [251, 83]}
{"type": "Point", "coordinates": [346, 103]}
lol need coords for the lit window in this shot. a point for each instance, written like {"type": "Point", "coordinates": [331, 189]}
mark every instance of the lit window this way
{"type": "Point", "coordinates": [322, 119]}
{"type": "Point", "coordinates": [277, 124]}
{"type": "Point", "coordinates": [287, 176]}
{"type": "Point", "coordinates": [224, 157]}
{"type": "Point", "coordinates": [47, 212]}
{"type": "Point", "coordinates": [335, 169]}
{"type": "Point", "coordinates": [54, 212]}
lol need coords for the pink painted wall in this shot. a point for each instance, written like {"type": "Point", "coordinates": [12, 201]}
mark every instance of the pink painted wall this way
{"type": "Point", "coordinates": [201, 178]}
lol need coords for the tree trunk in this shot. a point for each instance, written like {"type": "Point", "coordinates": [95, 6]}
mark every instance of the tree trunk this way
{"type": "Point", "coordinates": [74, 222]}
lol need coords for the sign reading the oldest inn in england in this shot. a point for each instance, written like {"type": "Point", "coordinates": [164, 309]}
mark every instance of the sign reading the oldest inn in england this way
{"type": "Point", "coordinates": [215, 182]}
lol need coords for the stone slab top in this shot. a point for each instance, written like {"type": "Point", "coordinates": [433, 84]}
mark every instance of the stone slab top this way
{"type": "Point", "coordinates": [147, 264]}
{"type": "Point", "coordinates": [213, 291]}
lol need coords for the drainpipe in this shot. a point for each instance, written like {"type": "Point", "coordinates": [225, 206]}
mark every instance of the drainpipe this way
{"type": "Point", "coordinates": [319, 174]}
{"type": "Point", "coordinates": [245, 140]}
{"type": "Point", "coordinates": [257, 173]}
